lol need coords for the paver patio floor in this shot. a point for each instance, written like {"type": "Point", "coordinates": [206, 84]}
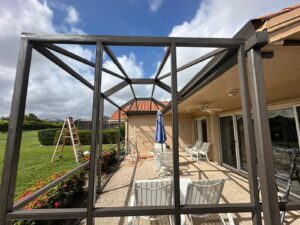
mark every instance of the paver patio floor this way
{"type": "Point", "coordinates": [120, 187]}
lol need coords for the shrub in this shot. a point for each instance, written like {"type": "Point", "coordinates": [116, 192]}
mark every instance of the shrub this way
{"type": "Point", "coordinates": [61, 196]}
{"type": "Point", "coordinates": [50, 136]}
{"type": "Point", "coordinates": [31, 125]}
{"type": "Point", "coordinates": [110, 136]}
{"type": "Point", "coordinates": [47, 137]}
{"type": "Point", "coordinates": [122, 131]}
{"type": "Point", "coordinates": [108, 159]}
{"type": "Point", "coordinates": [3, 125]}
{"type": "Point", "coordinates": [84, 136]}
{"type": "Point", "coordinates": [38, 125]}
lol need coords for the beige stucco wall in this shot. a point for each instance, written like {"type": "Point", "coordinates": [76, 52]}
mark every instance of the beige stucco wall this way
{"type": "Point", "coordinates": [141, 128]}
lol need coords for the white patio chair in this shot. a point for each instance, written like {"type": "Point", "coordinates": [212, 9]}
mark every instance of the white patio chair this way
{"type": "Point", "coordinates": [202, 151]}
{"type": "Point", "coordinates": [188, 149]}
{"type": "Point", "coordinates": [204, 192]}
{"type": "Point", "coordinates": [153, 193]}
{"type": "Point", "coordinates": [166, 163]}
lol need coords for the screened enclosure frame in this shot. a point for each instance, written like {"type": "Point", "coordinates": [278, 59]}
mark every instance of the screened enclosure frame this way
{"type": "Point", "coordinates": [230, 51]}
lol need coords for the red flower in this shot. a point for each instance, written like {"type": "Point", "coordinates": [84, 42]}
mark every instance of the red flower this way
{"type": "Point", "coordinates": [56, 204]}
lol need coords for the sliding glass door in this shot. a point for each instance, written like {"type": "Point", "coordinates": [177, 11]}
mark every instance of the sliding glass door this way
{"type": "Point", "coordinates": [233, 142]}
{"type": "Point", "coordinates": [241, 142]}
{"type": "Point", "coordinates": [228, 141]}
{"type": "Point", "coordinates": [284, 129]}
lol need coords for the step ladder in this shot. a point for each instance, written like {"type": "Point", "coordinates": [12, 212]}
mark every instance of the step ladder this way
{"type": "Point", "coordinates": [68, 131]}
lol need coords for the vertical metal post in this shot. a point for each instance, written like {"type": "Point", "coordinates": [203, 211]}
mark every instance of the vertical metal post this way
{"type": "Point", "coordinates": [263, 138]}
{"type": "Point", "coordinates": [119, 134]}
{"type": "Point", "coordinates": [175, 133]}
{"type": "Point", "coordinates": [95, 134]}
{"type": "Point", "coordinates": [249, 135]}
{"type": "Point", "coordinates": [14, 136]}
{"type": "Point", "coordinates": [99, 155]}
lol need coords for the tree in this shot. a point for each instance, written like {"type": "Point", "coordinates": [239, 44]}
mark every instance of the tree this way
{"type": "Point", "coordinates": [31, 117]}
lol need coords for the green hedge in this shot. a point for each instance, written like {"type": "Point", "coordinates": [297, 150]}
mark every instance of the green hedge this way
{"type": "Point", "coordinates": [47, 137]}
{"type": "Point", "coordinates": [31, 125]}
{"type": "Point", "coordinates": [3, 125]}
{"type": "Point", "coordinates": [50, 136]}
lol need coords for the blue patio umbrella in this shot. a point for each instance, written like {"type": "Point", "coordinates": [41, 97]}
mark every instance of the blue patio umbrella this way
{"type": "Point", "coordinates": [160, 134]}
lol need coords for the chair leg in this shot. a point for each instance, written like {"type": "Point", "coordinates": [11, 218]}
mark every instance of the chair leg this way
{"type": "Point", "coordinates": [138, 220]}
{"type": "Point", "coordinates": [207, 158]}
{"type": "Point", "coordinates": [222, 218]}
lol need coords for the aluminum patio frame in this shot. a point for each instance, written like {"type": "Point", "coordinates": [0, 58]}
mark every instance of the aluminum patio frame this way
{"type": "Point", "coordinates": [252, 93]}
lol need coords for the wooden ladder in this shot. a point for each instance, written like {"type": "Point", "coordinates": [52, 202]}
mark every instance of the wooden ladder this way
{"type": "Point", "coordinates": [68, 130]}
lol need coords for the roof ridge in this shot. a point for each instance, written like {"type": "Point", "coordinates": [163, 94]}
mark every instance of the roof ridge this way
{"type": "Point", "coordinates": [286, 9]}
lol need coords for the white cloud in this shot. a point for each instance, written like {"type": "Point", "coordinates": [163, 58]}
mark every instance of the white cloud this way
{"type": "Point", "coordinates": [72, 15]}
{"type": "Point", "coordinates": [154, 5]}
{"type": "Point", "coordinates": [216, 18]}
{"type": "Point", "coordinates": [52, 93]}
{"type": "Point", "coordinates": [219, 19]}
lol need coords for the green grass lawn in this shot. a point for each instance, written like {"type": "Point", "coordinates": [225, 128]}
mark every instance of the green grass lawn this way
{"type": "Point", "coordinates": [34, 164]}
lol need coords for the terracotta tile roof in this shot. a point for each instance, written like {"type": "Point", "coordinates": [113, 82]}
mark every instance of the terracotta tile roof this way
{"type": "Point", "coordinates": [139, 106]}
{"type": "Point", "coordinates": [268, 16]}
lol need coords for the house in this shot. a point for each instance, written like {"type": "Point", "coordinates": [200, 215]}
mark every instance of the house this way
{"type": "Point", "coordinates": [139, 119]}
{"type": "Point", "coordinates": [213, 113]}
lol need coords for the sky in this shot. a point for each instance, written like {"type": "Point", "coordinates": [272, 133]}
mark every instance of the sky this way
{"type": "Point", "coordinates": [52, 93]}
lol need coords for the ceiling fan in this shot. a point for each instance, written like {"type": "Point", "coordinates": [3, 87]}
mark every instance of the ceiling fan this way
{"type": "Point", "coordinates": [204, 108]}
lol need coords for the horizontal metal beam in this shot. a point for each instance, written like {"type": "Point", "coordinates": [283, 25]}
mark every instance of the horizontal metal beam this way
{"type": "Point", "coordinates": [133, 211]}
{"type": "Point", "coordinates": [142, 81]}
{"type": "Point", "coordinates": [143, 99]}
{"type": "Point", "coordinates": [115, 88]}
{"type": "Point", "coordinates": [23, 202]}
{"type": "Point", "coordinates": [217, 208]}
{"type": "Point", "coordinates": [196, 61]}
{"type": "Point", "coordinates": [80, 213]}
{"type": "Point", "coordinates": [136, 40]}
{"type": "Point", "coordinates": [141, 112]}
{"type": "Point", "coordinates": [79, 59]}
{"type": "Point", "coordinates": [48, 214]}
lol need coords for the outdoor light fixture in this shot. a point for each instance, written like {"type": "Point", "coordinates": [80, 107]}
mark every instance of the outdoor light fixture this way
{"type": "Point", "coordinates": [232, 92]}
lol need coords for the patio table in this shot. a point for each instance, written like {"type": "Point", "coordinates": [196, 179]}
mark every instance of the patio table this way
{"type": "Point", "coordinates": [184, 182]}
{"type": "Point", "coordinates": [156, 152]}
